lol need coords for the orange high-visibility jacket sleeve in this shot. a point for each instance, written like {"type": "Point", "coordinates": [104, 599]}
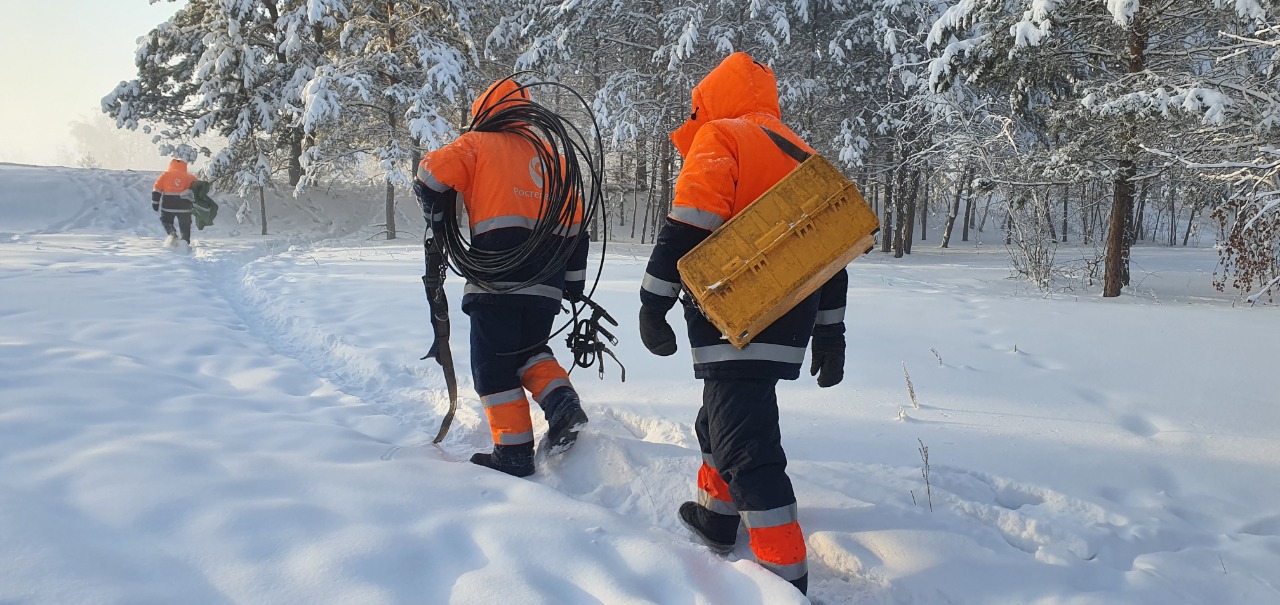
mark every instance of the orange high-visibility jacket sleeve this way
{"type": "Point", "coordinates": [709, 179]}
{"type": "Point", "coordinates": [454, 164]}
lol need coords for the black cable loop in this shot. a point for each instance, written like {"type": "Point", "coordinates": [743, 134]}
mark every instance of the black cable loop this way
{"type": "Point", "coordinates": [559, 146]}
{"type": "Point", "coordinates": [573, 184]}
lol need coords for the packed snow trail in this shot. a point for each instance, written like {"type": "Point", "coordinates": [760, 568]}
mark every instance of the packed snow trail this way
{"type": "Point", "coordinates": [248, 424]}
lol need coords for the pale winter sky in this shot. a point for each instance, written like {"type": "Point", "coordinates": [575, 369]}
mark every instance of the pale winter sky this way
{"type": "Point", "coordinates": [58, 58]}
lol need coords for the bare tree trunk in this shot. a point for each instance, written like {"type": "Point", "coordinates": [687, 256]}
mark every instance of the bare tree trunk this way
{"type": "Point", "coordinates": [391, 211]}
{"type": "Point", "coordinates": [1008, 222]}
{"type": "Point", "coordinates": [986, 209]}
{"type": "Point", "coordinates": [1066, 196]}
{"type": "Point", "coordinates": [262, 207]}
{"type": "Point", "coordinates": [923, 209]}
{"type": "Point", "coordinates": [635, 191]}
{"type": "Point", "coordinates": [296, 137]}
{"type": "Point", "coordinates": [1186, 236]}
{"type": "Point", "coordinates": [955, 206]}
{"type": "Point", "coordinates": [1086, 207]}
{"type": "Point", "coordinates": [899, 209]}
{"type": "Point", "coordinates": [1173, 213]}
{"type": "Point", "coordinates": [887, 222]}
{"type": "Point", "coordinates": [1139, 220]}
{"type": "Point", "coordinates": [1042, 211]}
{"type": "Point", "coordinates": [664, 201]}
{"type": "Point", "coordinates": [908, 228]}
{"type": "Point", "coordinates": [1116, 274]}
{"type": "Point", "coordinates": [971, 214]}
{"type": "Point", "coordinates": [392, 122]}
{"type": "Point", "coordinates": [648, 205]}
{"type": "Point", "coordinates": [968, 216]}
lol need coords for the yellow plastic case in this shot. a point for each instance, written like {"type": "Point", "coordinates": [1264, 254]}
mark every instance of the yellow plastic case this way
{"type": "Point", "coordinates": [780, 249]}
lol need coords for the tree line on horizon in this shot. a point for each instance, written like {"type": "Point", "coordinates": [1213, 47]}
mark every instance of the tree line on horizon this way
{"type": "Point", "coordinates": [1097, 122]}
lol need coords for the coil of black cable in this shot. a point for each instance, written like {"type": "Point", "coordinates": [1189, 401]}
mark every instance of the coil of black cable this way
{"type": "Point", "coordinates": [573, 181]}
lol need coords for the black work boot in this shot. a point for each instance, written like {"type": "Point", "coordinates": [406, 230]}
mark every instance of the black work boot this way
{"type": "Point", "coordinates": [515, 460]}
{"type": "Point", "coordinates": [719, 532]}
{"type": "Point", "coordinates": [565, 420]}
{"type": "Point", "coordinates": [802, 583]}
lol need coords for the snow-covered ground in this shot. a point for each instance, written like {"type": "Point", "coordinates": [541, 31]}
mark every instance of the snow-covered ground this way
{"type": "Point", "coordinates": [250, 423]}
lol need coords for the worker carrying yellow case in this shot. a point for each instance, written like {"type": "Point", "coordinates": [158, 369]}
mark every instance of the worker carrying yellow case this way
{"type": "Point", "coordinates": [780, 249]}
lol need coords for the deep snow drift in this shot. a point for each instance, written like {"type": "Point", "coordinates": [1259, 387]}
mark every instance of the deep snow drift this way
{"type": "Point", "coordinates": [250, 423]}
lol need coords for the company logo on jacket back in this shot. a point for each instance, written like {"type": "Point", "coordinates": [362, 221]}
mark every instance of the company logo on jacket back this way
{"type": "Point", "coordinates": [535, 173]}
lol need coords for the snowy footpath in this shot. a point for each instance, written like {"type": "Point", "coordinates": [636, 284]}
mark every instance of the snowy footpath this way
{"type": "Point", "coordinates": [251, 423]}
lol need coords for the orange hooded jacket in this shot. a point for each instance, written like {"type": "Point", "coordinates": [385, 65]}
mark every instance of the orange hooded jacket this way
{"type": "Point", "coordinates": [729, 161]}
{"type": "Point", "coordinates": [172, 190]}
{"type": "Point", "coordinates": [499, 177]}
{"type": "Point", "coordinates": [498, 174]}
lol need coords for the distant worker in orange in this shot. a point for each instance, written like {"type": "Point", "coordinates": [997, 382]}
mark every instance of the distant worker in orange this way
{"type": "Point", "coordinates": [735, 147]}
{"type": "Point", "coordinates": [500, 178]}
{"type": "Point", "coordinates": [173, 197]}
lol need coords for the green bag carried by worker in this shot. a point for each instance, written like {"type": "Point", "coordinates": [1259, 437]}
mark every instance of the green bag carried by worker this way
{"type": "Point", "coordinates": [203, 209]}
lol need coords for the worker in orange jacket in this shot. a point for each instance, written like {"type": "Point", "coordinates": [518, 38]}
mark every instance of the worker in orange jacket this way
{"type": "Point", "coordinates": [500, 178]}
{"type": "Point", "coordinates": [172, 197]}
{"type": "Point", "coordinates": [735, 147]}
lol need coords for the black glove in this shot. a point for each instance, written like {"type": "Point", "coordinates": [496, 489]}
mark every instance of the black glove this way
{"type": "Point", "coordinates": [828, 360]}
{"type": "Point", "coordinates": [656, 333]}
{"type": "Point", "coordinates": [572, 294]}
{"type": "Point", "coordinates": [155, 206]}
{"type": "Point", "coordinates": [420, 192]}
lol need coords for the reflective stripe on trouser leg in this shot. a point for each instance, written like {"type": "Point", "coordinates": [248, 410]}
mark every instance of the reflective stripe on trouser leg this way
{"type": "Point", "coordinates": [713, 492]}
{"type": "Point", "coordinates": [508, 414]}
{"type": "Point", "coordinates": [542, 374]}
{"type": "Point", "coordinates": [777, 541]}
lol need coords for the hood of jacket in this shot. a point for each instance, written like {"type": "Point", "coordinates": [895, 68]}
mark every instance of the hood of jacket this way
{"type": "Point", "coordinates": [735, 88]}
{"type": "Point", "coordinates": [502, 92]}
{"type": "Point", "coordinates": [177, 166]}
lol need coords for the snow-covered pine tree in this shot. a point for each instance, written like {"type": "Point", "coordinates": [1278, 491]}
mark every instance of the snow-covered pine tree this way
{"type": "Point", "coordinates": [1247, 157]}
{"type": "Point", "coordinates": [1088, 85]}
{"type": "Point", "coordinates": [234, 69]}
{"type": "Point", "coordinates": [164, 91]}
{"type": "Point", "coordinates": [851, 81]}
{"type": "Point", "coordinates": [637, 60]}
{"type": "Point", "coordinates": [833, 60]}
{"type": "Point", "coordinates": [395, 78]}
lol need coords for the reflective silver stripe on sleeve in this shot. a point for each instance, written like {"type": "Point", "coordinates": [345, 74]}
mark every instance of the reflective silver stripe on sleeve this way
{"type": "Point", "coordinates": [576, 275]}
{"type": "Point", "coordinates": [830, 316]}
{"type": "Point", "coordinates": [698, 218]}
{"type": "Point", "coordinates": [429, 180]}
{"type": "Point", "coordinates": [716, 506]}
{"type": "Point", "coordinates": [756, 351]}
{"type": "Point", "coordinates": [437, 216]}
{"type": "Point", "coordinates": [790, 573]}
{"type": "Point", "coordinates": [522, 222]}
{"type": "Point", "coordinates": [774, 517]}
{"type": "Point", "coordinates": [710, 461]}
{"type": "Point", "coordinates": [502, 398]}
{"type": "Point", "coordinates": [505, 222]}
{"type": "Point", "coordinates": [551, 386]}
{"type": "Point", "coordinates": [534, 290]}
{"type": "Point", "coordinates": [515, 438]}
{"type": "Point", "coordinates": [533, 361]}
{"type": "Point", "coordinates": [660, 287]}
